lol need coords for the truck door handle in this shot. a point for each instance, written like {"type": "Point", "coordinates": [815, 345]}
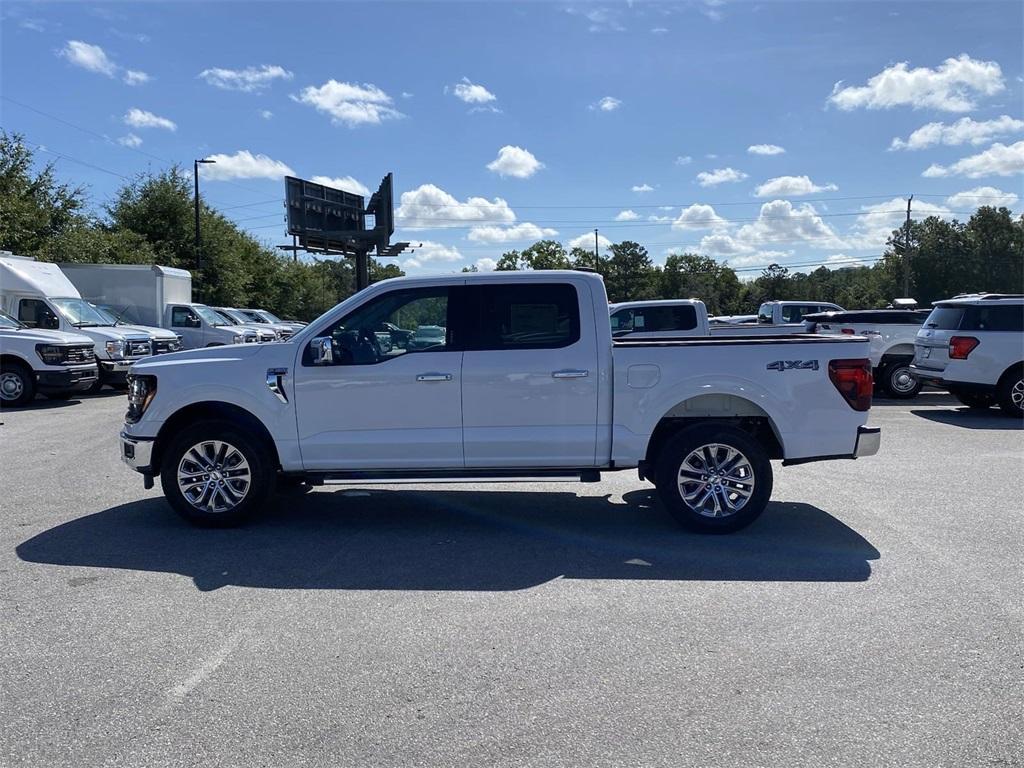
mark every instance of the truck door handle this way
{"type": "Point", "coordinates": [434, 377]}
{"type": "Point", "coordinates": [569, 374]}
{"type": "Point", "coordinates": [275, 383]}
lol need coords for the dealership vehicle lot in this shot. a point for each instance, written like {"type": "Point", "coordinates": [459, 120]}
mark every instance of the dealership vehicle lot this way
{"type": "Point", "coordinates": [871, 616]}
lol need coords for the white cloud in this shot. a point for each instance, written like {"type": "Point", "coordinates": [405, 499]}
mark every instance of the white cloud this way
{"type": "Point", "coordinates": [586, 242]}
{"type": "Point", "coordinates": [699, 216]}
{"type": "Point", "coordinates": [88, 56]}
{"type": "Point", "coordinates": [607, 104]}
{"type": "Point", "coordinates": [516, 162]}
{"type": "Point", "coordinates": [963, 131]}
{"type": "Point", "coordinates": [244, 165]}
{"type": "Point", "coordinates": [951, 87]}
{"type": "Point", "coordinates": [131, 140]}
{"type": "Point", "coordinates": [684, 160]}
{"type": "Point", "coordinates": [970, 199]}
{"type": "Point", "coordinates": [660, 31]}
{"type": "Point", "coordinates": [765, 149]}
{"type": "Point", "coordinates": [779, 221]}
{"type": "Point", "coordinates": [428, 251]}
{"type": "Point", "coordinates": [140, 118]}
{"type": "Point", "coordinates": [266, 114]}
{"type": "Point", "coordinates": [659, 218]}
{"type": "Point", "coordinates": [719, 176]}
{"type": "Point", "coordinates": [523, 231]}
{"type": "Point", "coordinates": [721, 244]}
{"type": "Point", "coordinates": [787, 186]}
{"type": "Point", "coordinates": [485, 264]}
{"type": "Point", "coordinates": [428, 207]}
{"type": "Point", "coordinates": [472, 93]}
{"type": "Point", "coordinates": [248, 80]}
{"type": "Point", "coordinates": [873, 227]}
{"type": "Point", "coordinates": [627, 215]}
{"type": "Point", "coordinates": [642, 188]}
{"type": "Point", "coordinates": [346, 183]}
{"type": "Point", "coordinates": [350, 103]}
{"type": "Point", "coordinates": [409, 264]}
{"type": "Point", "coordinates": [997, 160]}
{"type": "Point", "coordinates": [135, 77]}
{"type": "Point", "coordinates": [759, 259]}
{"type": "Point", "coordinates": [407, 95]}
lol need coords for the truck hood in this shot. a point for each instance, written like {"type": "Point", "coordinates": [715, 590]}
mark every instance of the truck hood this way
{"type": "Point", "coordinates": [227, 353]}
{"type": "Point", "coordinates": [112, 333]}
{"type": "Point", "coordinates": [41, 336]}
{"type": "Point", "coordinates": [156, 333]}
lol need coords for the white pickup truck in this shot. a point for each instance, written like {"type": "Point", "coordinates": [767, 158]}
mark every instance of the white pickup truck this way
{"type": "Point", "coordinates": [525, 381]}
{"type": "Point", "coordinates": [53, 363]}
{"type": "Point", "coordinates": [891, 332]}
{"type": "Point", "coordinates": [659, 319]}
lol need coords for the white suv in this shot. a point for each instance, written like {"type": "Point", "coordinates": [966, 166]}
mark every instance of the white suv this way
{"type": "Point", "coordinates": [973, 345]}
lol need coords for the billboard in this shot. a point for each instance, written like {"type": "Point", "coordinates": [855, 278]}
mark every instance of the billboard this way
{"type": "Point", "coordinates": [323, 218]}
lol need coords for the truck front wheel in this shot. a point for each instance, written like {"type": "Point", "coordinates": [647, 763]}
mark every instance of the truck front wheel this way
{"type": "Point", "coordinates": [714, 479]}
{"type": "Point", "coordinates": [17, 385]}
{"type": "Point", "coordinates": [216, 474]}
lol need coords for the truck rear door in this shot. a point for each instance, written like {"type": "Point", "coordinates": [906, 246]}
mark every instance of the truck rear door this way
{"type": "Point", "coordinates": [529, 378]}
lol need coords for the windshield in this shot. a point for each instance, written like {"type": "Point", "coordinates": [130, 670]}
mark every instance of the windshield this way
{"type": "Point", "coordinates": [8, 323]}
{"type": "Point", "coordinates": [210, 316]}
{"type": "Point", "coordinates": [80, 313]}
{"type": "Point", "coordinates": [430, 332]}
{"type": "Point", "coordinates": [105, 314]}
{"type": "Point", "coordinates": [268, 316]}
{"type": "Point", "coordinates": [252, 316]}
{"type": "Point", "coordinates": [237, 315]}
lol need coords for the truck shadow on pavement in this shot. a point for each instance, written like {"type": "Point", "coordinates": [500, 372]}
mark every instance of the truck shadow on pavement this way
{"type": "Point", "coordinates": [455, 540]}
{"type": "Point", "coordinates": [971, 418]}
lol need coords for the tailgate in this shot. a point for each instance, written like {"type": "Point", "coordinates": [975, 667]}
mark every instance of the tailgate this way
{"type": "Point", "coordinates": [931, 349]}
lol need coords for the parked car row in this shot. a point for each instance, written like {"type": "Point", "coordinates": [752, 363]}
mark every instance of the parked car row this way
{"type": "Point", "coordinates": [124, 313]}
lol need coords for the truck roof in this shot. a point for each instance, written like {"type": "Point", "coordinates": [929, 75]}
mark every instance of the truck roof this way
{"type": "Point", "coordinates": [538, 275]}
{"type": "Point", "coordinates": [980, 299]}
{"type": "Point", "coordinates": [22, 274]}
{"type": "Point", "coordinates": [655, 303]}
{"type": "Point", "coordinates": [157, 268]}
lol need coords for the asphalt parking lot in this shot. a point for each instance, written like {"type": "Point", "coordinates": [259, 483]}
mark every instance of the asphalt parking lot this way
{"type": "Point", "coordinates": [872, 616]}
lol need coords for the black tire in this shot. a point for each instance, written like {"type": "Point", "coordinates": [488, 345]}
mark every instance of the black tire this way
{"type": "Point", "coordinates": [261, 474]}
{"type": "Point", "coordinates": [898, 382]}
{"type": "Point", "coordinates": [978, 400]}
{"type": "Point", "coordinates": [1010, 392]}
{"type": "Point", "coordinates": [17, 385]}
{"type": "Point", "coordinates": [95, 387]}
{"type": "Point", "coordinates": [757, 467]}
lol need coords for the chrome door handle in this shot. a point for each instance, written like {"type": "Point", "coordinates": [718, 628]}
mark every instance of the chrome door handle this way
{"type": "Point", "coordinates": [434, 377]}
{"type": "Point", "coordinates": [569, 374]}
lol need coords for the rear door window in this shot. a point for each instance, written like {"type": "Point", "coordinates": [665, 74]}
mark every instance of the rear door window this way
{"type": "Point", "coordinates": [526, 316]}
{"type": "Point", "coordinates": [681, 318]}
{"type": "Point", "coordinates": [993, 318]}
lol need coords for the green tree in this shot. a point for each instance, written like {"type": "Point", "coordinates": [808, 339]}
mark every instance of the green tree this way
{"type": "Point", "coordinates": [630, 273]}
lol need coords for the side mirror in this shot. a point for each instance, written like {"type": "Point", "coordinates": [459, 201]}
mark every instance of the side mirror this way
{"type": "Point", "coordinates": [322, 350]}
{"type": "Point", "coordinates": [193, 322]}
{"type": "Point", "coordinates": [51, 322]}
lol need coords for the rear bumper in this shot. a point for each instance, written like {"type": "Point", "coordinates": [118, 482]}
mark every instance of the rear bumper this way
{"type": "Point", "coordinates": [869, 440]}
{"type": "Point", "coordinates": [67, 380]}
{"type": "Point", "coordinates": [926, 375]}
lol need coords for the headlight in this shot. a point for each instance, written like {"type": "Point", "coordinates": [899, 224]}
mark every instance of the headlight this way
{"type": "Point", "coordinates": [115, 349]}
{"type": "Point", "coordinates": [175, 346]}
{"type": "Point", "coordinates": [141, 390]}
{"type": "Point", "coordinates": [50, 354]}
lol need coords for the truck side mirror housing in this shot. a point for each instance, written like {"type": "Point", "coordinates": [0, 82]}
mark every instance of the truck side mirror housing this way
{"type": "Point", "coordinates": [50, 322]}
{"type": "Point", "coordinates": [322, 350]}
{"type": "Point", "coordinates": [193, 322]}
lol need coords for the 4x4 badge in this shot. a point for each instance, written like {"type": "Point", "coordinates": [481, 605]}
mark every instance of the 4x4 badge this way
{"type": "Point", "coordinates": [793, 365]}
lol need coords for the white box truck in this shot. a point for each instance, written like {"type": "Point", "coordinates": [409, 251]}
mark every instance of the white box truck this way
{"type": "Point", "coordinates": [150, 294]}
{"type": "Point", "coordinates": [39, 294]}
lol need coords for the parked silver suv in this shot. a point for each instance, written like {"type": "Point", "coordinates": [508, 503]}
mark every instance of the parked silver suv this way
{"type": "Point", "coordinates": [973, 345]}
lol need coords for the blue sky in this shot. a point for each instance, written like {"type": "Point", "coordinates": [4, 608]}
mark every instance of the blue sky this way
{"type": "Point", "coordinates": [751, 132]}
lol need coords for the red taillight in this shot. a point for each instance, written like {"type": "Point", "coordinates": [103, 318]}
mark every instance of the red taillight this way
{"type": "Point", "coordinates": [961, 346]}
{"type": "Point", "coordinates": [847, 331]}
{"type": "Point", "coordinates": [853, 380]}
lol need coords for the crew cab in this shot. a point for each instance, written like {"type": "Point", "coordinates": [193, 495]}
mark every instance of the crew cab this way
{"type": "Point", "coordinates": [664, 318]}
{"type": "Point", "coordinates": [525, 381]}
{"type": "Point", "coordinates": [891, 332]}
{"type": "Point", "coordinates": [52, 363]}
{"type": "Point", "coordinates": [973, 345]}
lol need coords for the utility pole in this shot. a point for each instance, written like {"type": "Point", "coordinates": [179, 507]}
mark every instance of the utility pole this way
{"type": "Point", "coordinates": [906, 252]}
{"type": "Point", "coordinates": [597, 259]}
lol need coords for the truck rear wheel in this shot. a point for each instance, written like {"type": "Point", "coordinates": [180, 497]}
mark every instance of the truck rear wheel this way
{"type": "Point", "coordinates": [17, 385]}
{"type": "Point", "coordinates": [1010, 392]}
{"type": "Point", "coordinates": [714, 479]}
{"type": "Point", "coordinates": [216, 474]}
{"type": "Point", "coordinates": [899, 382]}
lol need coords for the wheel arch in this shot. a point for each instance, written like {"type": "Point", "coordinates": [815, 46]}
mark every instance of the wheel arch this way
{"type": "Point", "coordinates": [1011, 369]}
{"type": "Point", "coordinates": [897, 353]}
{"type": "Point", "coordinates": [729, 409]}
{"type": "Point", "coordinates": [211, 411]}
{"type": "Point", "coordinates": [9, 358]}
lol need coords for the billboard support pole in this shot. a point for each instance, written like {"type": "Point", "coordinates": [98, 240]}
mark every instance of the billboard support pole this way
{"type": "Point", "coordinates": [362, 269]}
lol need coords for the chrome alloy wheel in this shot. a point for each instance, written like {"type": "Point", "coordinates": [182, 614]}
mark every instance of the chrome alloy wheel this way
{"type": "Point", "coordinates": [11, 386]}
{"type": "Point", "coordinates": [1017, 394]}
{"type": "Point", "coordinates": [716, 480]}
{"type": "Point", "coordinates": [214, 476]}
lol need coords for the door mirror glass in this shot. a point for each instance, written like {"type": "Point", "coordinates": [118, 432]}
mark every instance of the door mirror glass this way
{"type": "Point", "coordinates": [322, 351]}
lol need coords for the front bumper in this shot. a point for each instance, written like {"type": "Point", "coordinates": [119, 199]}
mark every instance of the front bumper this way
{"type": "Point", "coordinates": [76, 379]}
{"type": "Point", "coordinates": [869, 440]}
{"type": "Point", "coordinates": [137, 453]}
{"type": "Point", "coordinates": [115, 371]}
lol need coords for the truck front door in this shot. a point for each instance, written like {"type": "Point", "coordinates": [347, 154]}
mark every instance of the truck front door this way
{"type": "Point", "coordinates": [186, 322]}
{"type": "Point", "coordinates": [529, 384]}
{"type": "Point", "coordinates": [377, 405]}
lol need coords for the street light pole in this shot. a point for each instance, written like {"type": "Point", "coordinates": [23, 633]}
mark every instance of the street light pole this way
{"type": "Point", "coordinates": [195, 175]}
{"type": "Point", "coordinates": [597, 259]}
